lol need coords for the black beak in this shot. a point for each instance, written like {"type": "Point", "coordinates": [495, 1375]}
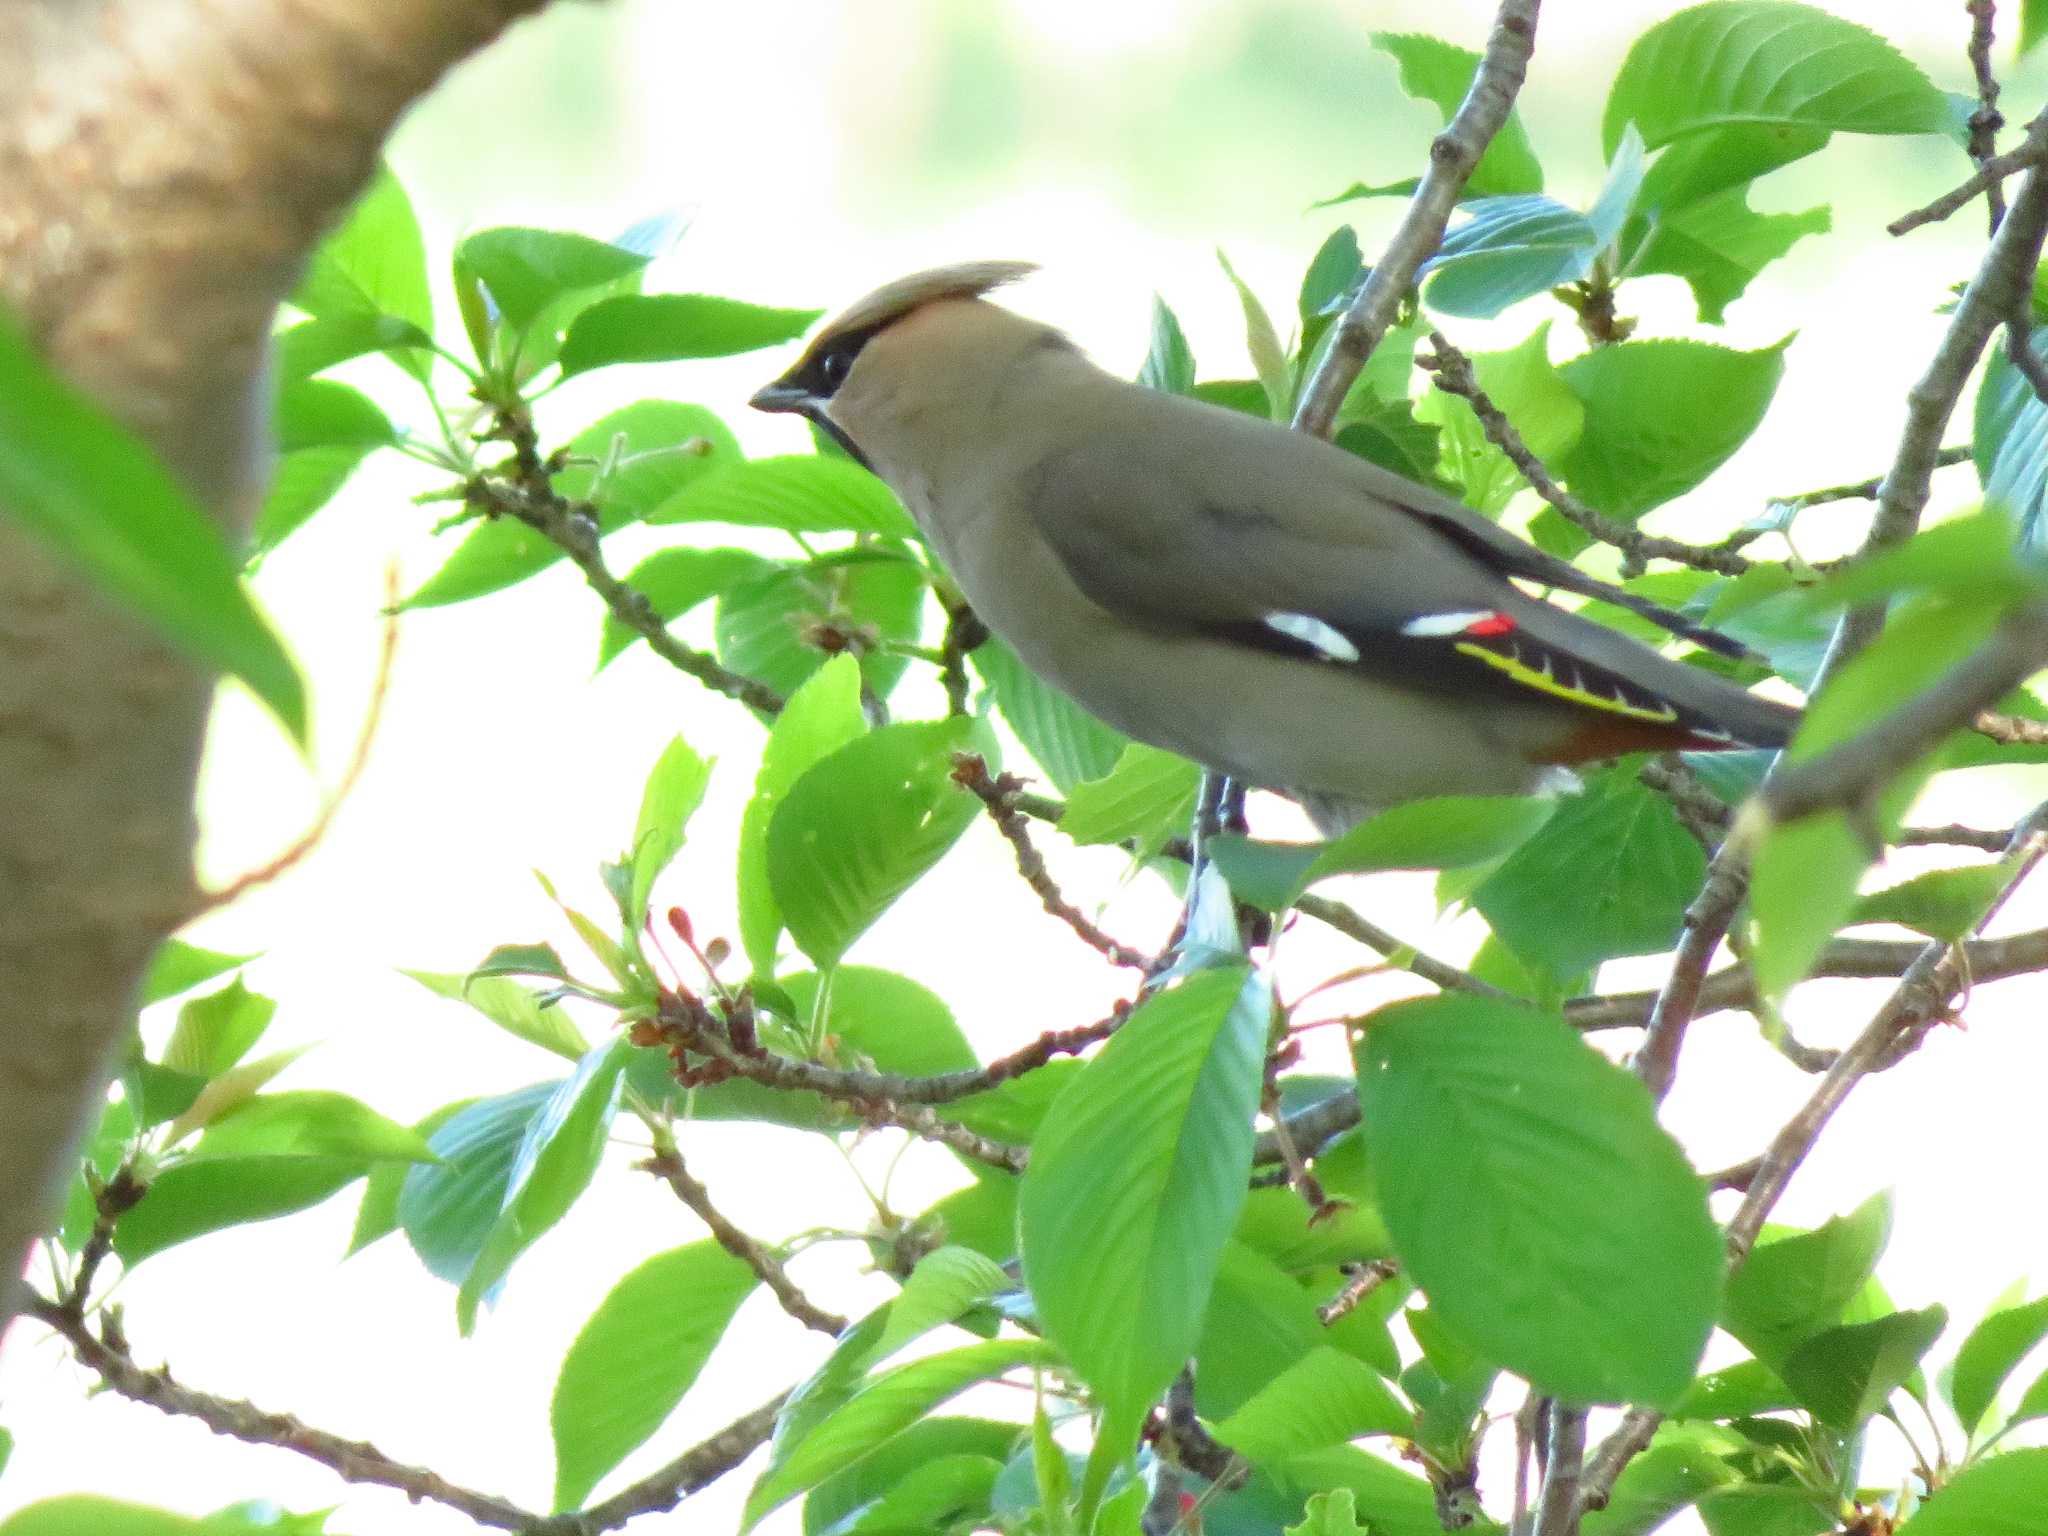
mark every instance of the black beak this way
{"type": "Point", "coordinates": [782, 396]}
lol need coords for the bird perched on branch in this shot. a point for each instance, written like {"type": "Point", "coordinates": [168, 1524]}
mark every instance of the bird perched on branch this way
{"type": "Point", "coordinates": [1250, 597]}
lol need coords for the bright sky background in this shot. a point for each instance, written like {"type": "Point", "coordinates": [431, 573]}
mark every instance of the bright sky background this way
{"type": "Point", "coordinates": [823, 147]}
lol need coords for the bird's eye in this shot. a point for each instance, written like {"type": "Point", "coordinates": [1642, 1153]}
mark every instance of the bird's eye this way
{"type": "Point", "coordinates": [834, 366]}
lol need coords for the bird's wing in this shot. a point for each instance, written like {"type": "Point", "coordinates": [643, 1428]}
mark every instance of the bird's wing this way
{"type": "Point", "coordinates": [1268, 540]}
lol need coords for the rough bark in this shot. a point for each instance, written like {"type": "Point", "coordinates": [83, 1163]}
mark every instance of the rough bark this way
{"type": "Point", "coordinates": [165, 167]}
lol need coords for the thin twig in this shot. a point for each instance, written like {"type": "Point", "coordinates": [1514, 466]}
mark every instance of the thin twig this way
{"type": "Point", "coordinates": [667, 1165]}
{"type": "Point", "coordinates": [1452, 156]}
{"type": "Point", "coordinates": [2011, 730]}
{"type": "Point", "coordinates": [351, 775]}
{"type": "Point", "coordinates": [530, 498]}
{"type": "Point", "coordinates": [1360, 1281]}
{"type": "Point", "coordinates": [921, 1122]}
{"type": "Point", "coordinates": [696, 1469]}
{"type": "Point", "coordinates": [999, 794]}
{"type": "Point", "coordinates": [1990, 174]}
{"type": "Point", "coordinates": [1986, 120]}
{"type": "Point", "coordinates": [964, 632]}
{"type": "Point", "coordinates": [1855, 490]}
{"type": "Point", "coordinates": [1454, 375]}
{"type": "Point", "coordinates": [1706, 924]}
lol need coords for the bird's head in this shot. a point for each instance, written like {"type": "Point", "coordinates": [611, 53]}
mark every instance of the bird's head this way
{"type": "Point", "coordinates": [839, 380]}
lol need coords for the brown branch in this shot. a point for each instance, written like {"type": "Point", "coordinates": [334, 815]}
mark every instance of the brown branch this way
{"type": "Point", "coordinates": [1986, 120]}
{"type": "Point", "coordinates": [2004, 278]}
{"type": "Point", "coordinates": [999, 795]}
{"type": "Point", "coordinates": [1452, 156]}
{"type": "Point", "coordinates": [964, 632]}
{"type": "Point", "coordinates": [529, 497]}
{"type": "Point", "coordinates": [1851, 775]}
{"type": "Point", "coordinates": [1564, 1454]}
{"type": "Point", "coordinates": [1437, 973]}
{"type": "Point", "coordinates": [2011, 730]}
{"type": "Point", "coordinates": [1706, 924]}
{"type": "Point", "coordinates": [1454, 375]}
{"type": "Point", "coordinates": [667, 1165]}
{"type": "Point", "coordinates": [921, 1122]}
{"type": "Point", "coordinates": [108, 1356]}
{"type": "Point", "coordinates": [1360, 1281]}
{"type": "Point", "coordinates": [696, 1469]}
{"type": "Point", "coordinates": [1990, 174]}
{"type": "Point", "coordinates": [1855, 490]}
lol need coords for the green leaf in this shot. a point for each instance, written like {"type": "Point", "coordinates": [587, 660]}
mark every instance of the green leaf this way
{"type": "Point", "coordinates": [659, 328]}
{"type": "Point", "coordinates": [1071, 745]}
{"type": "Point", "coordinates": [1661, 416]}
{"type": "Point", "coordinates": [526, 270]}
{"type": "Point", "coordinates": [268, 1157]}
{"type": "Point", "coordinates": [447, 1208]}
{"type": "Point", "coordinates": [1387, 433]}
{"type": "Point", "coordinates": [319, 413]}
{"type": "Point", "coordinates": [1149, 797]}
{"type": "Point", "coordinates": [1942, 903]}
{"type": "Point", "coordinates": [860, 827]}
{"type": "Point", "coordinates": [1508, 249]}
{"type": "Point", "coordinates": [1849, 1373]}
{"type": "Point", "coordinates": [1795, 1285]}
{"type": "Point", "coordinates": [1610, 873]}
{"type": "Point", "coordinates": [558, 1157]}
{"type": "Point", "coordinates": [881, 1016]}
{"type": "Point", "coordinates": [1169, 365]}
{"type": "Point", "coordinates": [1327, 285]}
{"type": "Point", "coordinates": [2010, 441]}
{"type": "Point", "coordinates": [653, 450]}
{"type": "Point", "coordinates": [946, 1283]}
{"type": "Point", "coordinates": [1532, 1194]}
{"type": "Point", "coordinates": [864, 1487]}
{"type": "Point", "coordinates": [1741, 1391]}
{"type": "Point", "coordinates": [2033, 24]}
{"type": "Point", "coordinates": [1766, 63]}
{"type": "Point", "coordinates": [1805, 872]}
{"type": "Point", "coordinates": [217, 1030]}
{"type": "Point", "coordinates": [522, 960]}
{"type": "Point", "coordinates": [674, 581]}
{"type": "Point", "coordinates": [375, 264]}
{"type": "Point", "coordinates": [511, 1007]}
{"type": "Point", "coordinates": [1524, 383]}
{"type": "Point", "coordinates": [301, 484]}
{"type": "Point", "coordinates": [1997, 1496]}
{"type": "Point", "coordinates": [635, 1358]}
{"type": "Point", "coordinates": [882, 1409]}
{"type": "Point", "coordinates": [762, 624]}
{"type": "Point", "coordinates": [674, 791]}
{"type": "Point", "coordinates": [86, 1514]}
{"type": "Point", "coordinates": [1120, 1253]}
{"type": "Point", "coordinates": [1268, 353]}
{"type": "Point", "coordinates": [377, 1216]}
{"type": "Point", "coordinates": [316, 345]}
{"type": "Point", "coordinates": [1441, 73]}
{"type": "Point", "coordinates": [99, 498]}
{"type": "Point", "coordinates": [819, 718]}
{"type": "Point", "coordinates": [1988, 1356]}
{"type": "Point", "coordinates": [800, 493]}
{"type": "Point", "coordinates": [934, 1495]}
{"type": "Point", "coordinates": [179, 967]}
{"type": "Point", "coordinates": [1333, 1513]}
{"type": "Point", "coordinates": [1360, 191]}
{"type": "Point", "coordinates": [1719, 244]}
{"type": "Point", "coordinates": [1327, 1397]}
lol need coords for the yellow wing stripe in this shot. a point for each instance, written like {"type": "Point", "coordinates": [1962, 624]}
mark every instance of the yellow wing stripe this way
{"type": "Point", "coordinates": [1540, 679]}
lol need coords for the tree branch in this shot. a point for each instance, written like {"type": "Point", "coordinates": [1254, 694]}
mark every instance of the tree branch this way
{"type": "Point", "coordinates": [667, 1165]}
{"type": "Point", "coordinates": [1452, 156]}
{"type": "Point", "coordinates": [999, 796]}
{"type": "Point", "coordinates": [2004, 278]}
{"type": "Point", "coordinates": [107, 1355]}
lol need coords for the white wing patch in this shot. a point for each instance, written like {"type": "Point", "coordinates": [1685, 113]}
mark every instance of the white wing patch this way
{"type": "Point", "coordinates": [1313, 632]}
{"type": "Point", "coordinates": [1430, 626]}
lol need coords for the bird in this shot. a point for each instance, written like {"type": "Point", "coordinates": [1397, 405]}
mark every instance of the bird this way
{"type": "Point", "coordinates": [1220, 586]}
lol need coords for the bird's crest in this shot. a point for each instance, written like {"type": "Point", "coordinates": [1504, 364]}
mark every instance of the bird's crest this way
{"type": "Point", "coordinates": [892, 301]}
